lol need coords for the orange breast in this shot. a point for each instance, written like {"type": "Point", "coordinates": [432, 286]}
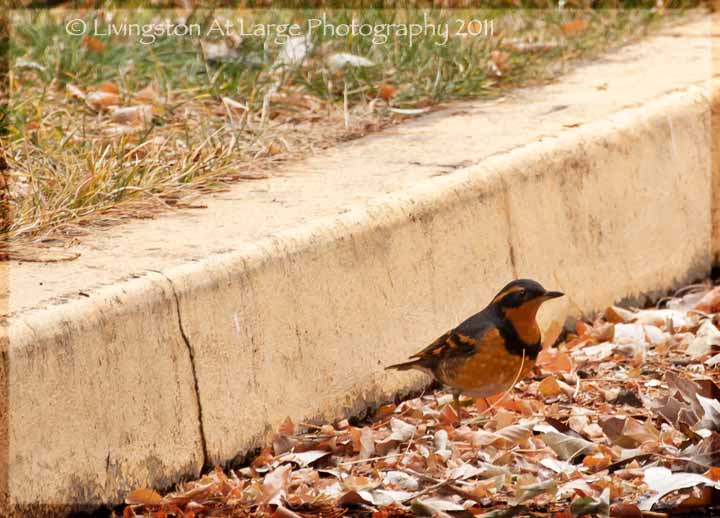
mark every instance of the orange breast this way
{"type": "Point", "coordinates": [491, 370]}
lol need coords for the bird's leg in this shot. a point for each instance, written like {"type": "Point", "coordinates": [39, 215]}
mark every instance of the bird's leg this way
{"type": "Point", "coordinates": [456, 402]}
{"type": "Point", "coordinates": [458, 405]}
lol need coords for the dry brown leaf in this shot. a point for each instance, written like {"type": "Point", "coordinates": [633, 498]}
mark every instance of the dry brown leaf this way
{"type": "Point", "coordinates": [287, 426]}
{"type": "Point", "coordinates": [710, 302]}
{"type": "Point", "coordinates": [275, 485]}
{"type": "Point", "coordinates": [597, 461]}
{"type": "Point", "coordinates": [713, 473]}
{"type": "Point", "coordinates": [110, 88]}
{"type": "Point", "coordinates": [133, 115]}
{"type": "Point", "coordinates": [567, 447]}
{"type": "Point", "coordinates": [552, 333]}
{"type": "Point", "coordinates": [515, 434]}
{"type": "Point", "coordinates": [93, 44]}
{"type": "Point", "coordinates": [144, 496]}
{"type": "Point", "coordinates": [75, 92]}
{"type": "Point", "coordinates": [618, 315]}
{"type": "Point", "coordinates": [554, 361]}
{"type": "Point", "coordinates": [102, 100]}
{"type": "Point", "coordinates": [499, 61]}
{"type": "Point", "coordinates": [550, 387]}
{"type": "Point", "coordinates": [386, 92]}
{"type": "Point", "coordinates": [574, 27]}
{"type": "Point", "coordinates": [367, 443]}
{"type": "Point", "coordinates": [147, 95]}
{"type": "Point", "coordinates": [448, 415]}
{"type": "Point", "coordinates": [623, 510]}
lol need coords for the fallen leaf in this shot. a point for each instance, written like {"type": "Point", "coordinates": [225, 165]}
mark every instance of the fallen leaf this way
{"type": "Point", "coordinates": [401, 431]}
{"type": "Point", "coordinates": [448, 415]}
{"type": "Point", "coordinates": [133, 115]}
{"type": "Point", "coordinates": [710, 302]}
{"type": "Point", "coordinates": [629, 334]}
{"type": "Point", "coordinates": [623, 510]}
{"type": "Point", "coordinates": [574, 27]}
{"type": "Point", "coordinates": [287, 426]}
{"type": "Point", "coordinates": [551, 334]}
{"type": "Point", "coordinates": [589, 505]}
{"type": "Point", "coordinates": [499, 61]}
{"type": "Point", "coordinates": [304, 458]}
{"type": "Point", "coordinates": [75, 92]}
{"type": "Point", "coordinates": [706, 337]}
{"type": "Point", "coordinates": [526, 492]}
{"type": "Point", "coordinates": [711, 417]}
{"type": "Point", "coordinates": [108, 88]}
{"type": "Point", "coordinates": [567, 447]}
{"type": "Point", "coordinates": [367, 443]}
{"type": "Point", "coordinates": [93, 44]}
{"type": "Point", "coordinates": [514, 435]}
{"type": "Point", "coordinates": [617, 315]}
{"type": "Point", "coordinates": [713, 473]}
{"type": "Point", "coordinates": [341, 59]}
{"type": "Point", "coordinates": [144, 497]}
{"type": "Point", "coordinates": [147, 94]}
{"type": "Point", "coordinates": [386, 92]}
{"type": "Point", "coordinates": [401, 480]}
{"type": "Point", "coordinates": [554, 361]}
{"type": "Point", "coordinates": [599, 352]}
{"type": "Point", "coordinates": [550, 387]}
{"type": "Point", "coordinates": [102, 100]}
{"type": "Point", "coordinates": [275, 485]}
{"type": "Point", "coordinates": [663, 481]}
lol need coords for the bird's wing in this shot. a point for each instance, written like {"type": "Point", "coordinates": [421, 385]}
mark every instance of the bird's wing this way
{"type": "Point", "coordinates": [460, 342]}
{"type": "Point", "coordinates": [450, 345]}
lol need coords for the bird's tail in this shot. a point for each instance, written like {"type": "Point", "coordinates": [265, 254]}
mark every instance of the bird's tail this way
{"type": "Point", "coordinates": [404, 366]}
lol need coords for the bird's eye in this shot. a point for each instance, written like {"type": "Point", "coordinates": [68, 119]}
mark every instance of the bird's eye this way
{"type": "Point", "coordinates": [522, 292]}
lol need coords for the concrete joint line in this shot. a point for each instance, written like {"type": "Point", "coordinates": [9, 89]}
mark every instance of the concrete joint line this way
{"type": "Point", "coordinates": [191, 354]}
{"type": "Point", "coordinates": [508, 218]}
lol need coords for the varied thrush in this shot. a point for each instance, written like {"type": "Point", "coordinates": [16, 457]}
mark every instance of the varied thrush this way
{"type": "Point", "coordinates": [490, 351]}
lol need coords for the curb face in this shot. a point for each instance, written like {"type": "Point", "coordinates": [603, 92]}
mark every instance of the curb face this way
{"type": "Point", "coordinates": [104, 387]}
{"type": "Point", "coordinates": [148, 379]}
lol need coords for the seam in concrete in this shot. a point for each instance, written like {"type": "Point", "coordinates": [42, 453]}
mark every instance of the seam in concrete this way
{"type": "Point", "coordinates": [508, 218]}
{"type": "Point", "coordinates": [191, 354]}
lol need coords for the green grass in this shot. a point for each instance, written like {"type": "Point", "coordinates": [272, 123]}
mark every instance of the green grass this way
{"type": "Point", "coordinates": [72, 164]}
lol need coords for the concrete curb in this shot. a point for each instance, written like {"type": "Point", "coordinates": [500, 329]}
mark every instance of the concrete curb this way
{"type": "Point", "coordinates": [203, 360]}
{"type": "Point", "coordinates": [125, 342]}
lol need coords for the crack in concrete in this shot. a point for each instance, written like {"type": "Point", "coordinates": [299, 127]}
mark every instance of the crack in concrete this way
{"type": "Point", "coordinates": [191, 353]}
{"type": "Point", "coordinates": [508, 217]}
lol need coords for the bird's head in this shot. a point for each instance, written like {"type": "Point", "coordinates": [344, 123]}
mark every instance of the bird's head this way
{"type": "Point", "coordinates": [518, 302]}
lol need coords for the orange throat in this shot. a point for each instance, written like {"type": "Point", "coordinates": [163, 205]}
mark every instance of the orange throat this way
{"type": "Point", "coordinates": [523, 320]}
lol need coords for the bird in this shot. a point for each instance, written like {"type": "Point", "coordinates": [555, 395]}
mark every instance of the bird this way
{"type": "Point", "coordinates": [488, 353]}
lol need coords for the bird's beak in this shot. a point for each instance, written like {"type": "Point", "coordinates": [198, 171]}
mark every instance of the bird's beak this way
{"type": "Point", "coordinates": [552, 295]}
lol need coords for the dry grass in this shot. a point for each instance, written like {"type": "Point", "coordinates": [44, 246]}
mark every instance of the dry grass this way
{"type": "Point", "coordinates": [104, 128]}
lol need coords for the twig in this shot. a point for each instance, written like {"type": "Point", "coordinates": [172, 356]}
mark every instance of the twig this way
{"type": "Point", "coordinates": [452, 487]}
{"type": "Point", "coordinates": [360, 461]}
{"type": "Point", "coordinates": [410, 441]}
{"type": "Point", "coordinates": [428, 489]}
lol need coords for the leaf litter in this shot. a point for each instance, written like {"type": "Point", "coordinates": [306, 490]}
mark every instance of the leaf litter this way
{"type": "Point", "coordinates": [620, 418]}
